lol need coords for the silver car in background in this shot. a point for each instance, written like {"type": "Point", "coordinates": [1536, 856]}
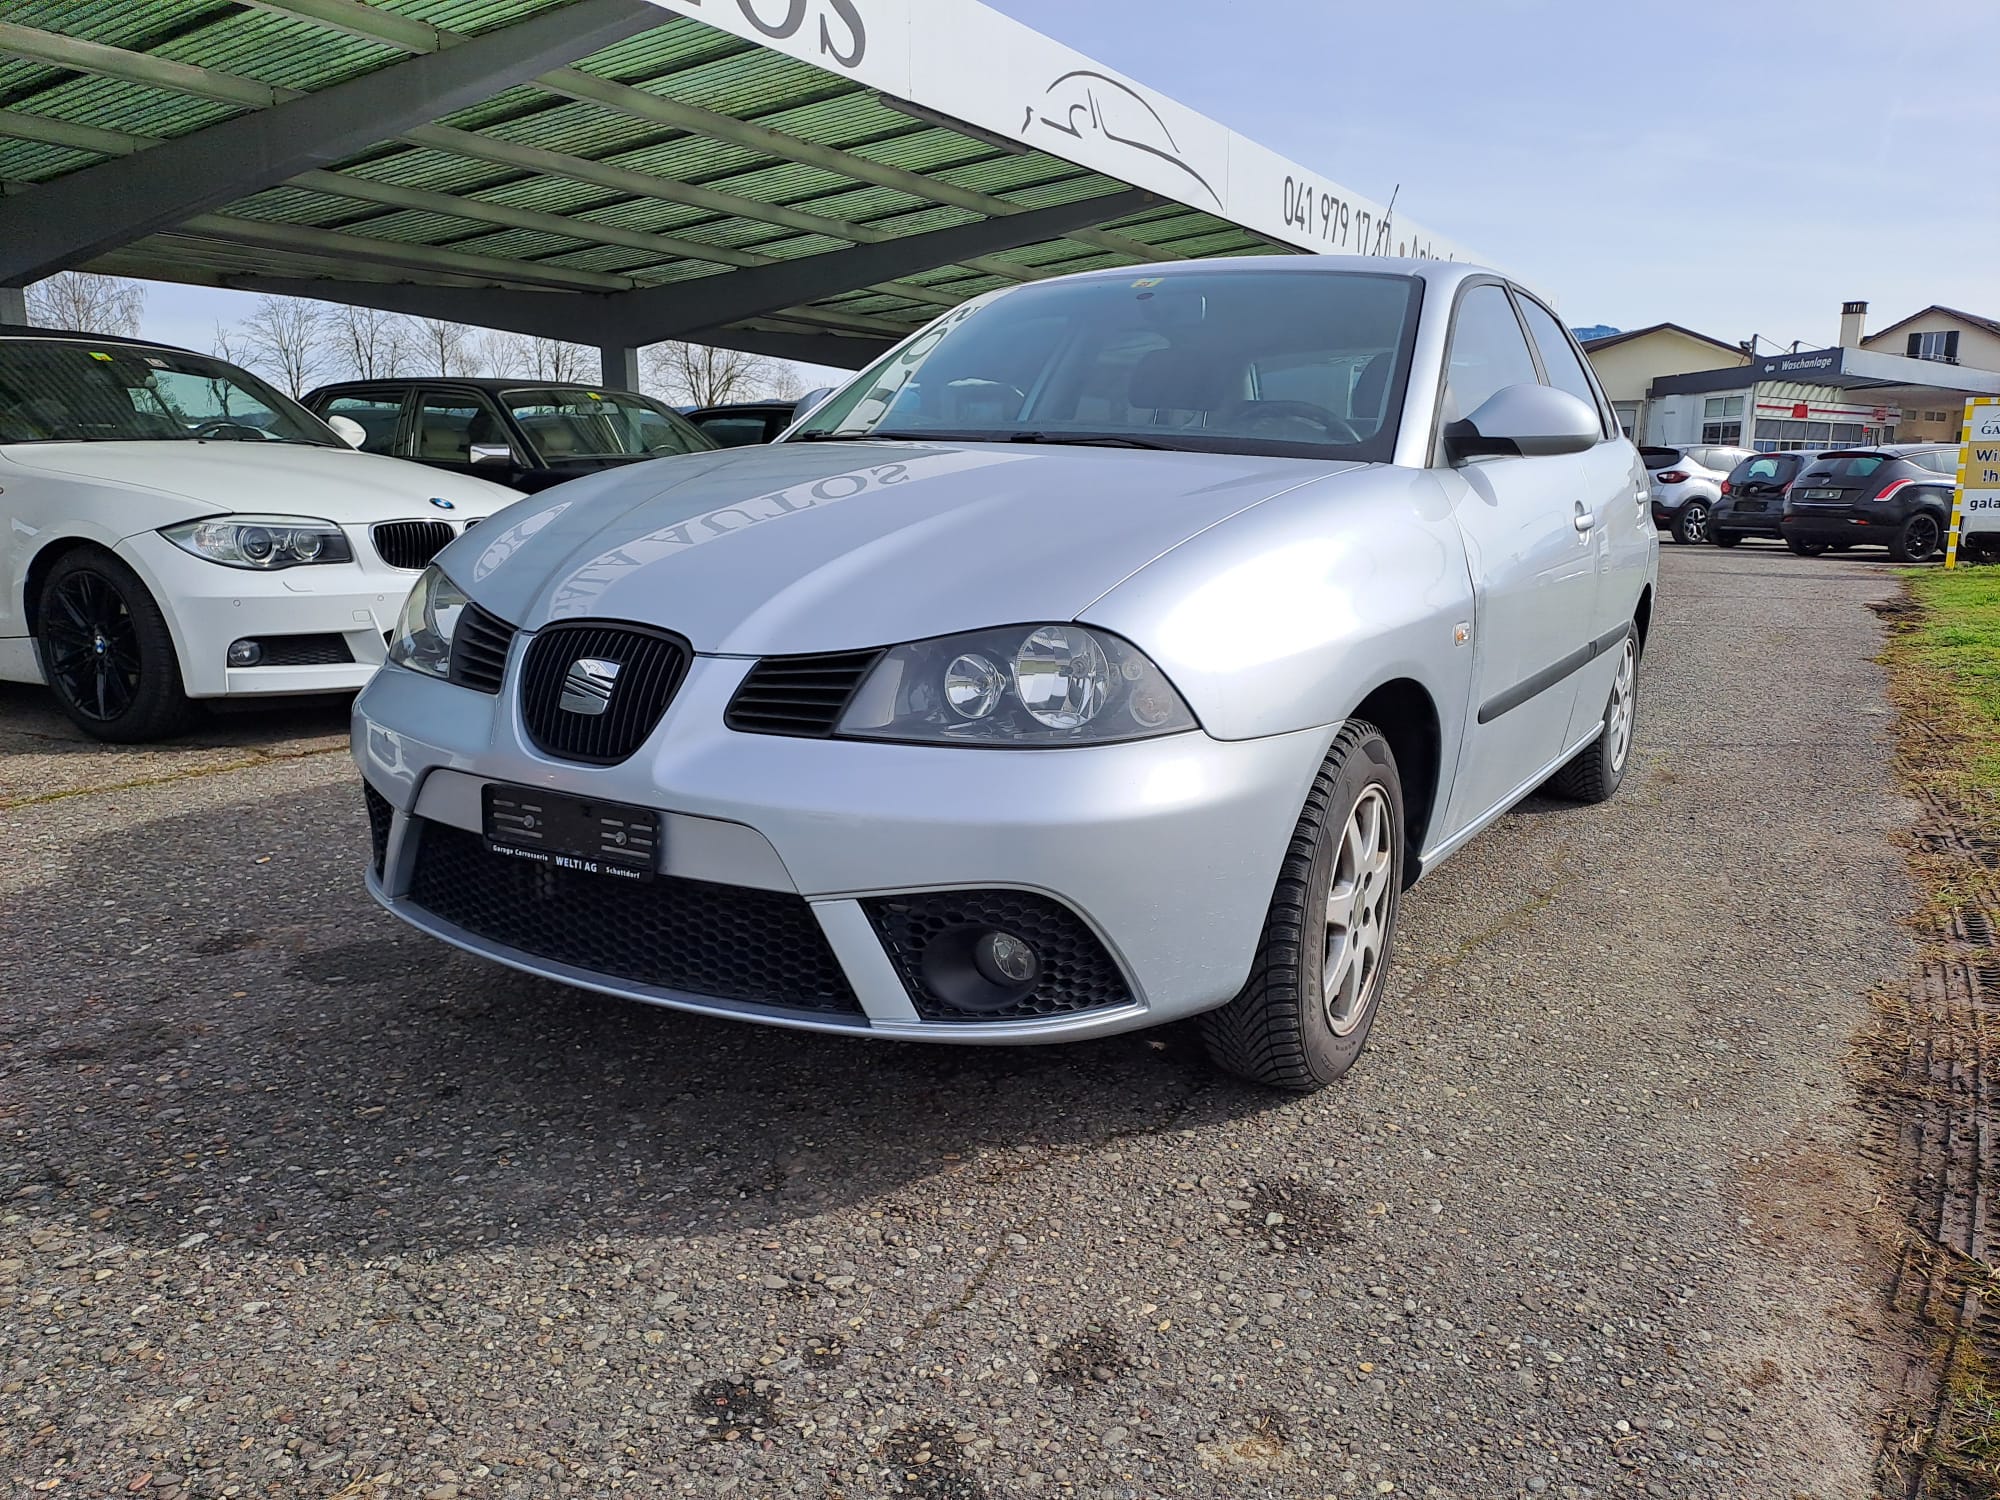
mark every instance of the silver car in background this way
{"type": "Point", "coordinates": [1685, 483]}
{"type": "Point", "coordinates": [1116, 650]}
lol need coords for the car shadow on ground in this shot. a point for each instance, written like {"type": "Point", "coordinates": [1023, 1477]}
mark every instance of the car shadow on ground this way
{"type": "Point", "coordinates": [236, 1043]}
{"type": "Point", "coordinates": [31, 724]}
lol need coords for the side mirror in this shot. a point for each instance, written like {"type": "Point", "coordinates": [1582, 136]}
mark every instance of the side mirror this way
{"type": "Point", "coordinates": [348, 431]}
{"type": "Point", "coordinates": [1525, 421]}
{"type": "Point", "coordinates": [811, 402]}
{"type": "Point", "coordinates": [492, 453]}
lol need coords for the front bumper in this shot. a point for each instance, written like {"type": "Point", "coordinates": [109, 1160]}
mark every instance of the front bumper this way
{"type": "Point", "coordinates": [208, 606]}
{"type": "Point", "coordinates": [1165, 850]}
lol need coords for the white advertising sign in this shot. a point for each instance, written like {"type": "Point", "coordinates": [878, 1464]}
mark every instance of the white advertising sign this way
{"type": "Point", "coordinates": [1976, 505]}
{"type": "Point", "coordinates": [966, 61]}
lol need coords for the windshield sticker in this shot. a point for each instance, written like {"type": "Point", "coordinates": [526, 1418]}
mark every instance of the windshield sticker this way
{"type": "Point", "coordinates": [105, 357]}
{"type": "Point", "coordinates": [1149, 281]}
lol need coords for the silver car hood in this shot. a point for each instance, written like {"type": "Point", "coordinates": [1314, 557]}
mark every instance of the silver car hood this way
{"type": "Point", "coordinates": [834, 546]}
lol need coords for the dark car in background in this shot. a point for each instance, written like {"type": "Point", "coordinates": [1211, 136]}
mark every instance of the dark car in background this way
{"type": "Point", "coordinates": [1752, 501]}
{"type": "Point", "coordinates": [1870, 497]}
{"type": "Point", "coordinates": [743, 424]}
{"type": "Point", "coordinates": [529, 434]}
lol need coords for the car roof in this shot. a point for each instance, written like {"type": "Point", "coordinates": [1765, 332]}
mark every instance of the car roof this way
{"type": "Point", "coordinates": [81, 336]}
{"type": "Point", "coordinates": [476, 382]}
{"type": "Point", "coordinates": [732, 408]}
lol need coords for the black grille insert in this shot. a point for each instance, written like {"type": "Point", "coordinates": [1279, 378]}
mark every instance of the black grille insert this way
{"type": "Point", "coordinates": [649, 667]}
{"type": "Point", "coordinates": [1076, 972]}
{"type": "Point", "coordinates": [799, 695]}
{"type": "Point", "coordinates": [380, 815]}
{"type": "Point", "coordinates": [304, 651]}
{"type": "Point", "coordinates": [411, 544]}
{"type": "Point", "coordinates": [725, 941]}
{"type": "Point", "coordinates": [479, 650]}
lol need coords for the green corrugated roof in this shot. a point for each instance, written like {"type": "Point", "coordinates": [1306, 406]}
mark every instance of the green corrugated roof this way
{"type": "Point", "coordinates": [678, 61]}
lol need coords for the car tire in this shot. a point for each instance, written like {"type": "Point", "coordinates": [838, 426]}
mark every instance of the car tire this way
{"type": "Point", "coordinates": [1804, 548]}
{"type": "Point", "coordinates": [1727, 538]}
{"type": "Point", "coordinates": [1285, 1029]}
{"type": "Point", "coordinates": [1598, 769]}
{"type": "Point", "coordinates": [1691, 522]}
{"type": "Point", "coordinates": [106, 651]}
{"type": "Point", "coordinates": [1918, 539]}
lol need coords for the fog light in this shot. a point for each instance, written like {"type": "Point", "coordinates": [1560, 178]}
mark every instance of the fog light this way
{"type": "Point", "coordinates": [1002, 958]}
{"type": "Point", "coordinates": [245, 653]}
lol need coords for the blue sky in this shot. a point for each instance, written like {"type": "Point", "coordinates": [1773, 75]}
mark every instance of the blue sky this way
{"type": "Point", "coordinates": [1737, 167]}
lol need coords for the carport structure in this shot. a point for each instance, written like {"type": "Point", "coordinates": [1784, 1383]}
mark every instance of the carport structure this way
{"type": "Point", "coordinates": [811, 179]}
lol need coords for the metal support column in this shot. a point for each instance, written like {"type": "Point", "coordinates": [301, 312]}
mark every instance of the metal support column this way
{"type": "Point", "coordinates": [13, 304]}
{"type": "Point", "coordinates": [620, 367]}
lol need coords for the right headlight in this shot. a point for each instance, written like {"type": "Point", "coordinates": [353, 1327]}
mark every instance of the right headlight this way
{"type": "Point", "coordinates": [429, 620]}
{"type": "Point", "coordinates": [1023, 685]}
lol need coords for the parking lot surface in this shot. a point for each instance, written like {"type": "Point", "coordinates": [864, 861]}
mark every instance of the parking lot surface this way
{"type": "Point", "coordinates": [295, 1202]}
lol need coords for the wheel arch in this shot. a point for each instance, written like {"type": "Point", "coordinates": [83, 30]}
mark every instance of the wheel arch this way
{"type": "Point", "coordinates": [1406, 713]}
{"type": "Point", "coordinates": [1642, 617]}
{"type": "Point", "coordinates": [38, 571]}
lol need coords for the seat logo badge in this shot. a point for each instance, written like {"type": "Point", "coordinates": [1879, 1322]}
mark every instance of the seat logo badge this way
{"type": "Point", "coordinates": [588, 686]}
{"type": "Point", "coordinates": [441, 503]}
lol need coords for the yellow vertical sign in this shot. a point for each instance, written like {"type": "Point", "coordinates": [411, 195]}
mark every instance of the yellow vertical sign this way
{"type": "Point", "coordinates": [1978, 469]}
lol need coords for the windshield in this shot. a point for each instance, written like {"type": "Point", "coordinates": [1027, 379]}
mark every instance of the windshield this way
{"type": "Point", "coordinates": [74, 392]}
{"type": "Point", "coordinates": [568, 424]}
{"type": "Point", "coordinates": [1306, 364]}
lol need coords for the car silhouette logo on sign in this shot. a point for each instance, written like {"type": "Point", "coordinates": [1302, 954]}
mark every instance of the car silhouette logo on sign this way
{"type": "Point", "coordinates": [588, 686]}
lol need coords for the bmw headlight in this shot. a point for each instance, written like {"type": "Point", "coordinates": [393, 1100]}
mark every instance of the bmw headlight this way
{"type": "Point", "coordinates": [1024, 685]}
{"type": "Point", "coordinates": [428, 622]}
{"type": "Point", "coordinates": [263, 544]}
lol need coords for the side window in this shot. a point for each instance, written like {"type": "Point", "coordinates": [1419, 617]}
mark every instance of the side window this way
{"type": "Point", "coordinates": [1488, 352]}
{"type": "Point", "coordinates": [448, 427]}
{"type": "Point", "coordinates": [1565, 370]}
{"type": "Point", "coordinates": [376, 414]}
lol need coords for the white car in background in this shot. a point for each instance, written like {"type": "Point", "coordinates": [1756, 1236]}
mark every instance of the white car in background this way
{"type": "Point", "coordinates": [172, 529]}
{"type": "Point", "coordinates": [1685, 483]}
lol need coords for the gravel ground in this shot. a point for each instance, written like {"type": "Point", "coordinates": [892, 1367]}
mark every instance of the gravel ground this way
{"type": "Point", "coordinates": [296, 1203]}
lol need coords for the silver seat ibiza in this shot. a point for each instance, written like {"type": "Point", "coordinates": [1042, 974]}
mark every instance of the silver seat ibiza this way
{"type": "Point", "coordinates": [1117, 650]}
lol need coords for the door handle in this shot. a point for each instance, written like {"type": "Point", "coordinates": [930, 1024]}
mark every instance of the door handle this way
{"type": "Point", "coordinates": [1584, 519]}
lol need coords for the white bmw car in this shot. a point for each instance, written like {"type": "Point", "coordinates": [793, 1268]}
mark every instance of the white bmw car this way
{"type": "Point", "coordinates": [172, 529]}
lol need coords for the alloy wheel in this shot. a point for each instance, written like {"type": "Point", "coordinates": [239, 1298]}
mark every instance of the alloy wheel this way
{"type": "Point", "coordinates": [1920, 540]}
{"type": "Point", "coordinates": [1624, 695]}
{"type": "Point", "coordinates": [93, 648]}
{"type": "Point", "coordinates": [1357, 908]}
{"type": "Point", "coordinates": [1694, 521]}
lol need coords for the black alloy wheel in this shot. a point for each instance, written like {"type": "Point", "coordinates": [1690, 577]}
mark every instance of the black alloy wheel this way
{"type": "Point", "coordinates": [107, 653]}
{"type": "Point", "coordinates": [1918, 539]}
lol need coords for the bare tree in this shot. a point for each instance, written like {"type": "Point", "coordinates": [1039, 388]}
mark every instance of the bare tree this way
{"type": "Point", "coordinates": [554, 360]}
{"type": "Point", "coordinates": [373, 343]}
{"type": "Point", "coordinates": [87, 303]}
{"type": "Point", "coordinates": [441, 348]}
{"type": "Point", "coordinates": [697, 375]}
{"type": "Point", "coordinates": [290, 337]}
{"type": "Point", "coordinates": [229, 344]}
{"type": "Point", "coordinates": [502, 353]}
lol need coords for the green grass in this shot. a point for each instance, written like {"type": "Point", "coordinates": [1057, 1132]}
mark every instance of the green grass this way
{"type": "Point", "coordinates": [1955, 645]}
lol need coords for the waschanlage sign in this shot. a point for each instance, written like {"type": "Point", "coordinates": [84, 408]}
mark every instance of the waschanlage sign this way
{"type": "Point", "coordinates": [967, 61]}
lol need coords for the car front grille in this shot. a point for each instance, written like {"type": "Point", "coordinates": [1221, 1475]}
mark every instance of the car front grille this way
{"type": "Point", "coordinates": [1077, 973]}
{"type": "Point", "coordinates": [411, 544]}
{"type": "Point", "coordinates": [304, 651]}
{"type": "Point", "coordinates": [479, 650]}
{"type": "Point", "coordinates": [727, 942]}
{"type": "Point", "coordinates": [799, 695]}
{"type": "Point", "coordinates": [380, 816]}
{"type": "Point", "coordinates": [649, 666]}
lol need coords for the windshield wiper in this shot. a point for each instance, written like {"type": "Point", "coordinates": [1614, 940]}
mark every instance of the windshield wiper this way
{"type": "Point", "coordinates": [1090, 440]}
{"type": "Point", "coordinates": [875, 437]}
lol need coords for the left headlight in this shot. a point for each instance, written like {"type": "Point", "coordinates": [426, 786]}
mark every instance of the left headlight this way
{"type": "Point", "coordinates": [429, 621]}
{"type": "Point", "coordinates": [1023, 685]}
{"type": "Point", "coordinates": [263, 544]}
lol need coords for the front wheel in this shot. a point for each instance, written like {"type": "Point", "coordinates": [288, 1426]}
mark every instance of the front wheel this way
{"type": "Point", "coordinates": [1599, 767]}
{"type": "Point", "coordinates": [1691, 524]}
{"type": "Point", "coordinates": [1917, 540]}
{"type": "Point", "coordinates": [1804, 548]}
{"type": "Point", "coordinates": [107, 653]}
{"type": "Point", "coordinates": [1318, 974]}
